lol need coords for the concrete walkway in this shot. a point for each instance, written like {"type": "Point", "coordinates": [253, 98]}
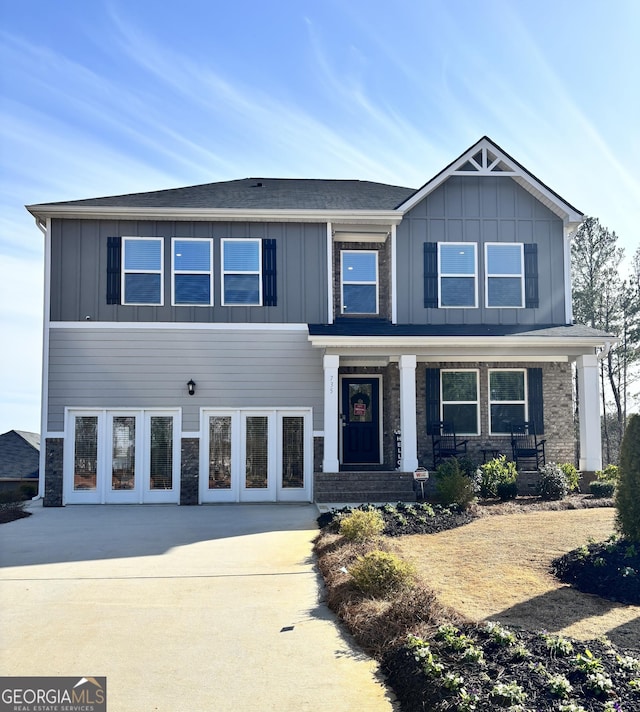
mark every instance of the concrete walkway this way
{"type": "Point", "coordinates": [203, 609]}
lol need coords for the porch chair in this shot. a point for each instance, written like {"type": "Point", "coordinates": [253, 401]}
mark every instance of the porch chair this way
{"type": "Point", "coordinates": [445, 442]}
{"type": "Point", "coordinates": [526, 445]}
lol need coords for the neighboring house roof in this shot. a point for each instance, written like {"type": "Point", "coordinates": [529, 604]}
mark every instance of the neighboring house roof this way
{"type": "Point", "coordinates": [19, 454]}
{"type": "Point", "coordinates": [308, 199]}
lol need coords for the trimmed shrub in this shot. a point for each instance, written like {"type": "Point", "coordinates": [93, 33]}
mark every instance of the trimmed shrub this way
{"type": "Point", "coordinates": [28, 491]}
{"type": "Point", "coordinates": [10, 496]}
{"type": "Point", "coordinates": [498, 479]}
{"type": "Point", "coordinates": [601, 489]}
{"type": "Point", "coordinates": [609, 474]}
{"type": "Point", "coordinates": [572, 475]}
{"type": "Point", "coordinates": [380, 574]}
{"type": "Point", "coordinates": [361, 525]}
{"type": "Point", "coordinates": [553, 482]}
{"type": "Point", "coordinates": [628, 489]}
{"type": "Point", "coordinates": [453, 485]}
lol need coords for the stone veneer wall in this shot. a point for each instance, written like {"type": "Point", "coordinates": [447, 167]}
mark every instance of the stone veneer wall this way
{"type": "Point", "coordinates": [53, 463]}
{"type": "Point", "coordinates": [384, 263]}
{"type": "Point", "coordinates": [189, 470]}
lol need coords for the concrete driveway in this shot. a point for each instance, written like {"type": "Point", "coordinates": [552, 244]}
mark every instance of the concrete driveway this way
{"type": "Point", "coordinates": [213, 608]}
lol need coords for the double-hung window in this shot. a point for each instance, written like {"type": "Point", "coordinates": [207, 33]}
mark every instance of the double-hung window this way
{"type": "Point", "coordinates": [457, 274]}
{"type": "Point", "coordinates": [241, 272]}
{"type": "Point", "coordinates": [504, 267]}
{"type": "Point", "coordinates": [359, 270]}
{"type": "Point", "coordinates": [507, 399]}
{"type": "Point", "coordinates": [459, 400]}
{"type": "Point", "coordinates": [142, 281]}
{"type": "Point", "coordinates": [192, 262]}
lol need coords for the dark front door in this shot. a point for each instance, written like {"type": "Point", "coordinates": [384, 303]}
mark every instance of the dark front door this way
{"type": "Point", "coordinates": [360, 421]}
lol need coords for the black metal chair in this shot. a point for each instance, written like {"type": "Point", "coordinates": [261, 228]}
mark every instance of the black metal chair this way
{"type": "Point", "coordinates": [445, 442]}
{"type": "Point", "coordinates": [525, 444]}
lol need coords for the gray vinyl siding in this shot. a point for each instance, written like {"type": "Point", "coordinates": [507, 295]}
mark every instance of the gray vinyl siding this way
{"type": "Point", "coordinates": [480, 210]}
{"type": "Point", "coordinates": [149, 368]}
{"type": "Point", "coordinates": [79, 271]}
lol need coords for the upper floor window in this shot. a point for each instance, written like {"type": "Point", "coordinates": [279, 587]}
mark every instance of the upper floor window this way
{"type": "Point", "coordinates": [142, 270]}
{"type": "Point", "coordinates": [242, 272]}
{"type": "Point", "coordinates": [359, 270]}
{"type": "Point", "coordinates": [459, 400]}
{"type": "Point", "coordinates": [192, 263]}
{"type": "Point", "coordinates": [457, 274]}
{"type": "Point", "coordinates": [504, 275]}
{"type": "Point", "coordinates": [507, 399]}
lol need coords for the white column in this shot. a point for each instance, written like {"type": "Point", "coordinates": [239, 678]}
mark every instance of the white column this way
{"type": "Point", "coordinates": [330, 462]}
{"type": "Point", "coordinates": [408, 432]}
{"type": "Point", "coordinates": [589, 413]}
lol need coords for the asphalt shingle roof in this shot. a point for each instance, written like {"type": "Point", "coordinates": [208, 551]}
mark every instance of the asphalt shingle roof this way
{"type": "Point", "coordinates": [263, 193]}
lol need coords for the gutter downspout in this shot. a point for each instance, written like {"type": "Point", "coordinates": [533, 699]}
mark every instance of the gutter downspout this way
{"type": "Point", "coordinates": [44, 228]}
{"type": "Point", "coordinates": [604, 351]}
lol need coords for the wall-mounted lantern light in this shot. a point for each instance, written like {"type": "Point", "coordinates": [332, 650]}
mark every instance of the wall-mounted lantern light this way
{"type": "Point", "coordinates": [191, 386]}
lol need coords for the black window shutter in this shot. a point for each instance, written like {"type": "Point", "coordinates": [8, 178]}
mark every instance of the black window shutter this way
{"type": "Point", "coordinates": [431, 275]}
{"type": "Point", "coordinates": [531, 300]}
{"type": "Point", "coordinates": [536, 408]}
{"type": "Point", "coordinates": [114, 259]}
{"type": "Point", "coordinates": [433, 398]}
{"type": "Point", "coordinates": [269, 281]}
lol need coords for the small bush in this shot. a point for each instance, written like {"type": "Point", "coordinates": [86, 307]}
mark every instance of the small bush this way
{"type": "Point", "coordinates": [498, 472]}
{"type": "Point", "coordinates": [572, 475]}
{"type": "Point", "coordinates": [379, 574]}
{"type": "Point", "coordinates": [453, 486]}
{"type": "Point", "coordinates": [10, 496]}
{"type": "Point", "coordinates": [553, 482]}
{"type": "Point", "coordinates": [602, 489]}
{"type": "Point", "coordinates": [28, 491]}
{"type": "Point", "coordinates": [609, 474]}
{"type": "Point", "coordinates": [507, 490]}
{"type": "Point", "coordinates": [361, 525]}
{"type": "Point", "coordinates": [628, 489]}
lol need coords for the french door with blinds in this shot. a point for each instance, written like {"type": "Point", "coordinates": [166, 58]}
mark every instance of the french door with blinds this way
{"type": "Point", "coordinates": [122, 457]}
{"type": "Point", "coordinates": [256, 456]}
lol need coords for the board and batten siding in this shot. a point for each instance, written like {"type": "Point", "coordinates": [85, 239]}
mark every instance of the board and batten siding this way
{"type": "Point", "coordinates": [79, 271]}
{"type": "Point", "coordinates": [480, 210]}
{"type": "Point", "coordinates": [149, 368]}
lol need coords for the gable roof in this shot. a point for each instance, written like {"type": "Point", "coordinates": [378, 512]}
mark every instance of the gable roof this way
{"type": "Point", "coordinates": [19, 454]}
{"type": "Point", "coordinates": [486, 158]}
{"type": "Point", "coordinates": [306, 198]}
{"type": "Point", "coordinates": [259, 194]}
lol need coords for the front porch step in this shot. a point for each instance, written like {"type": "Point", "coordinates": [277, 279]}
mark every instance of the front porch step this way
{"type": "Point", "coordinates": [363, 487]}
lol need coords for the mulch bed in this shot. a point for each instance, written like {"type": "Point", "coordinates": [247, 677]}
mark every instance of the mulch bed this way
{"type": "Point", "coordinates": [11, 513]}
{"type": "Point", "coordinates": [608, 569]}
{"type": "Point", "coordinates": [418, 691]}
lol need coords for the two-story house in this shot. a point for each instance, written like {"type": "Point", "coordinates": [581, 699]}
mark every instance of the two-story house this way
{"type": "Point", "coordinates": [252, 340]}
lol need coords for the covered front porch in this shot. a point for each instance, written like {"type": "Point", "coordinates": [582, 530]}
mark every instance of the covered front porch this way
{"type": "Point", "coordinates": [380, 397]}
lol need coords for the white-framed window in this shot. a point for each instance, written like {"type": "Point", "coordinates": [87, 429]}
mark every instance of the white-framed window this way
{"type": "Point", "coordinates": [241, 272]}
{"type": "Point", "coordinates": [504, 275]}
{"type": "Point", "coordinates": [192, 267]}
{"type": "Point", "coordinates": [142, 270]}
{"type": "Point", "coordinates": [457, 274]}
{"type": "Point", "coordinates": [359, 277]}
{"type": "Point", "coordinates": [507, 399]}
{"type": "Point", "coordinates": [459, 402]}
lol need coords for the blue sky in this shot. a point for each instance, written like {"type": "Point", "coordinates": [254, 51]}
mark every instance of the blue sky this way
{"type": "Point", "coordinates": [102, 98]}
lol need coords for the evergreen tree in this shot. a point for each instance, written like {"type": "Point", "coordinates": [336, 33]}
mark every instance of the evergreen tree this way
{"type": "Point", "coordinates": [628, 489]}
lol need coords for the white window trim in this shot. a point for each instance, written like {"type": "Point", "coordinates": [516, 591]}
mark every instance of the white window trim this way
{"type": "Point", "coordinates": [224, 272]}
{"type": "Point", "coordinates": [507, 402]}
{"type": "Point", "coordinates": [498, 276]}
{"type": "Point", "coordinates": [142, 271]}
{"type": "Point", "coordinates": [175, 271]}
{"type": "Point", "coordinates": [455, 274]}
{"type": "Point", "coordinates": [471, 402]}
{"type": "Point", "coordinates": [361, 282]}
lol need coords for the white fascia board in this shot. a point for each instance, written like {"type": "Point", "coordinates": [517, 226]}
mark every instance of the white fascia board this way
{"type": "Point", "coordinates": [351, 217]}
{"type": "Point", "coordinates": [518, 173]}
{"type": "Point", "coordinates": [561, 344]}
